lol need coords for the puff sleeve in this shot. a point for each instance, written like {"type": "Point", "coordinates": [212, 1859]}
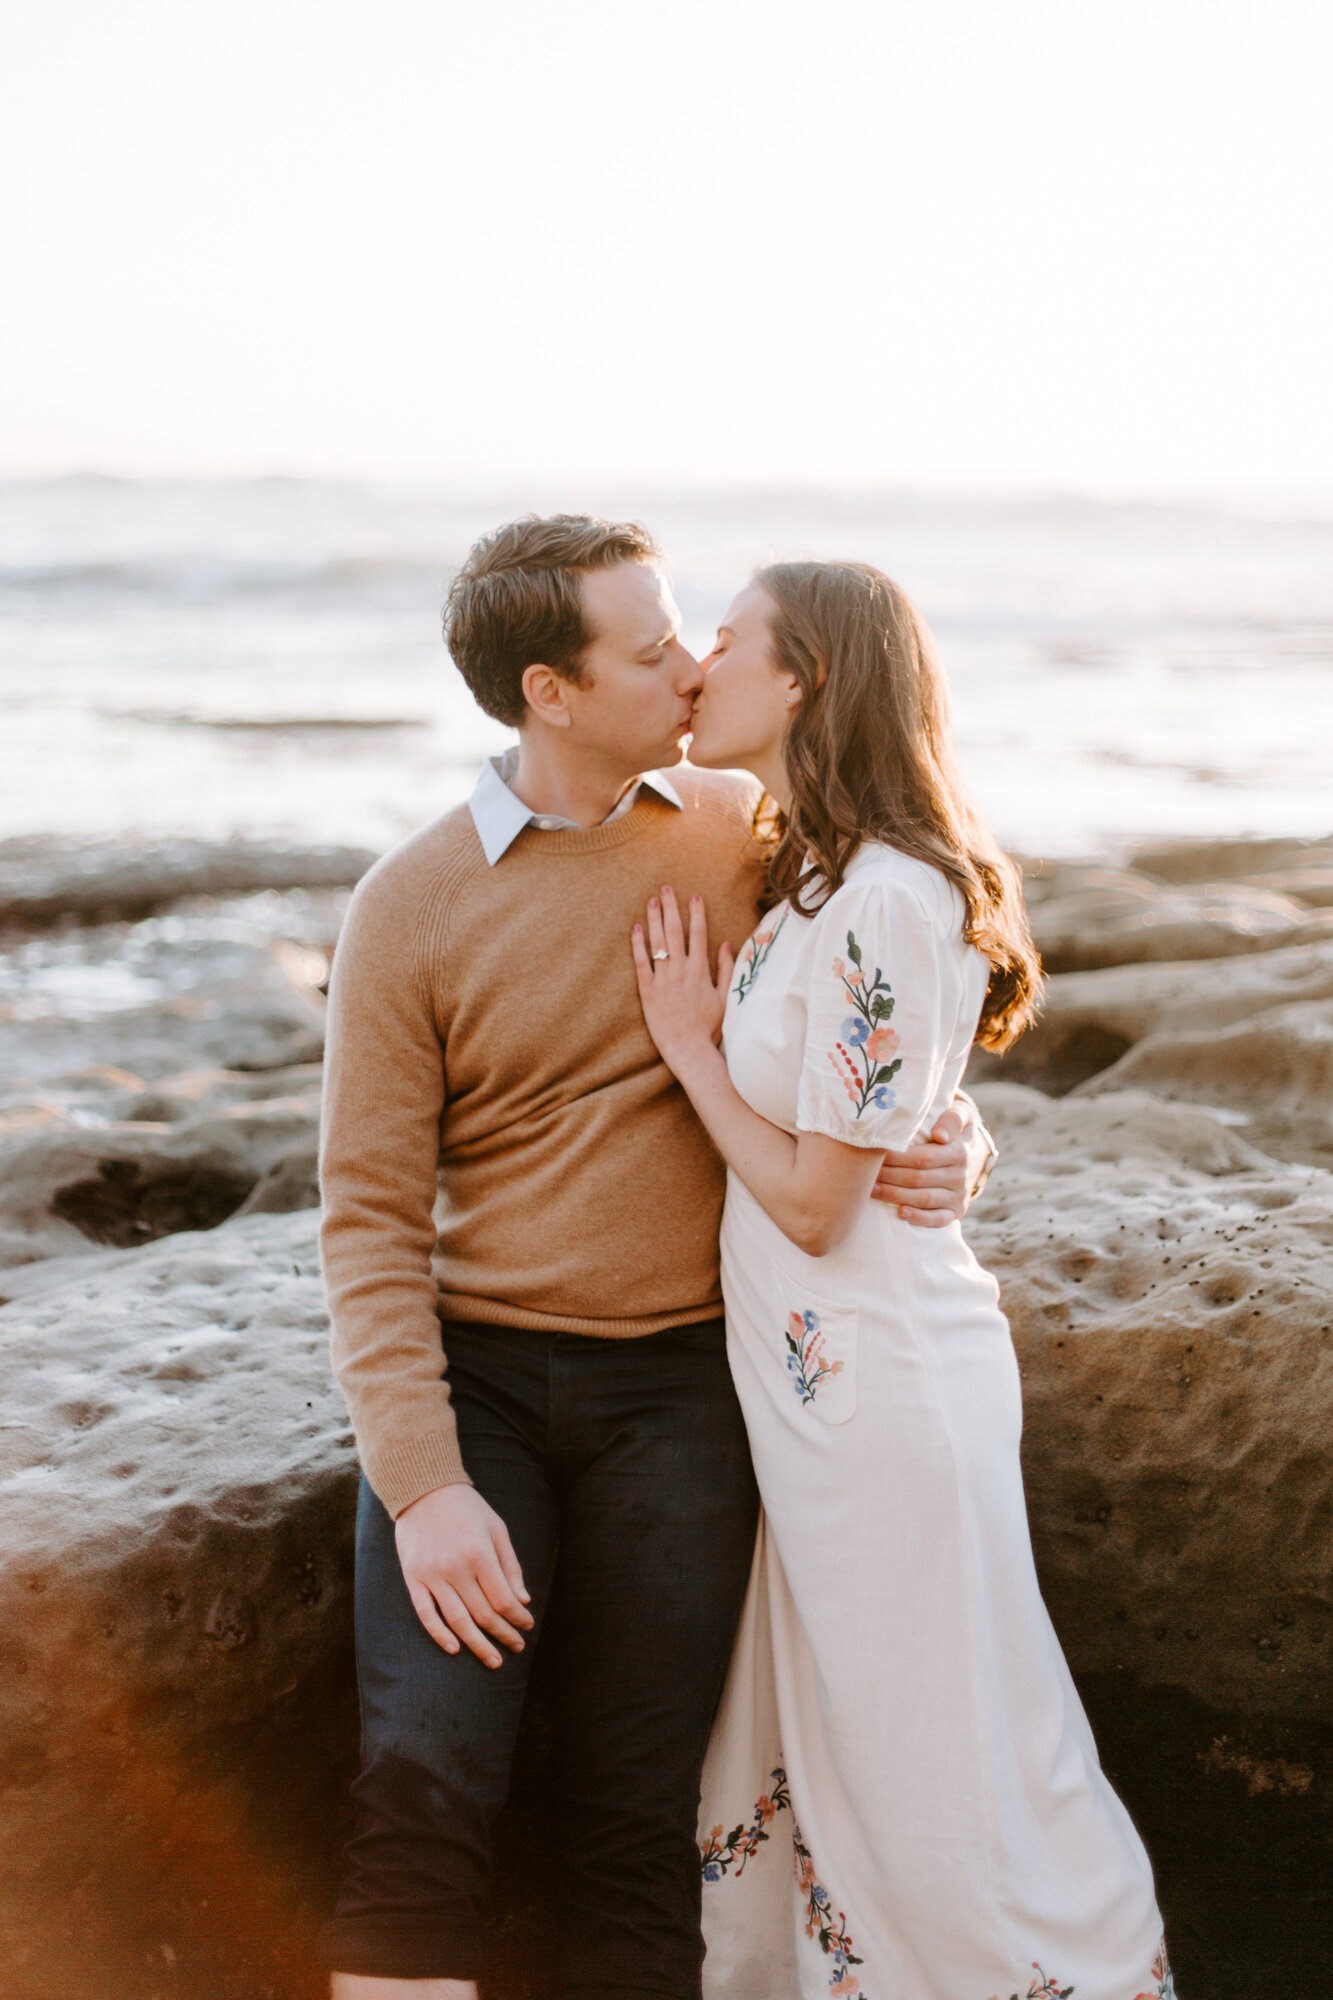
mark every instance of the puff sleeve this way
{"type": "Point", "coordinates": [880, 1015]}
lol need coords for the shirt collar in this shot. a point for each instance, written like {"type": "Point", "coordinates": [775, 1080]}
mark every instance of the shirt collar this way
{"type": "Point", "coordinates": [499, 815]}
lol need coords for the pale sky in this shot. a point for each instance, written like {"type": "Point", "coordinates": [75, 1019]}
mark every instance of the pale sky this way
{"type": "Point", "coordinates": [956, 242]}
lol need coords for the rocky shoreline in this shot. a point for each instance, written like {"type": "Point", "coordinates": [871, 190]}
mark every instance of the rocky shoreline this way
{"type": "Point", "coordinates": [177, 1478]}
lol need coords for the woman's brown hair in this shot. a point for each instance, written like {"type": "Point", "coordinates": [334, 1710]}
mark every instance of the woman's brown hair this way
{"type": "Point", "coordinates": [869, 757]}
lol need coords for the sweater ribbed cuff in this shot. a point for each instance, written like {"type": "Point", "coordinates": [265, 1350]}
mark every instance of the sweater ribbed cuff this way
{"type": "Point", "coordinates": [402, 1474]}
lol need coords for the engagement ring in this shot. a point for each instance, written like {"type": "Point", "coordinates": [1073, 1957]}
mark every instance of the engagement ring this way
{"type": "Point", "coordinates": [661, 954]}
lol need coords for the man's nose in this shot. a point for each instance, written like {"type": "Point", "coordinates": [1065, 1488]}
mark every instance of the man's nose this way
{"type": "Point", "coordinates": [689, 673]}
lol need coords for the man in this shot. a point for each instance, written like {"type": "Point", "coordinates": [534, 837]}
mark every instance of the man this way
{"type": "Point", "coordinates": [504, 1151]}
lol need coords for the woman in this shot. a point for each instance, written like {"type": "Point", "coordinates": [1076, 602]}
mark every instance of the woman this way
{"type": "Point", "coordinates": [898, 1706]}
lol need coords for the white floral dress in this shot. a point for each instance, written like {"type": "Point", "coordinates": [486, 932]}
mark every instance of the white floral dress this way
{"type": "Point", "coordinates": [902, 1799]}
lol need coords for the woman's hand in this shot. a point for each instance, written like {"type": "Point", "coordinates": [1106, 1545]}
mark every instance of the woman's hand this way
{"type": "Point", "coordinates": [682, 1004]}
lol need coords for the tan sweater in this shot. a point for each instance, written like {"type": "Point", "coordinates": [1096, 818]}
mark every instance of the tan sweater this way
{"type": "Point", "coordinates": [501, 1140]}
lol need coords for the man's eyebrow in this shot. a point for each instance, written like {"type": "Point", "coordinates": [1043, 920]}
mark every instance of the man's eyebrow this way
{"type": "Point", "coordinates": [673, 631]}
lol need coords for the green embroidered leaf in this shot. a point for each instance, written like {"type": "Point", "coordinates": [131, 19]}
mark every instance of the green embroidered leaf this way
{"type": "Point", "coordinates": [884, 1074]}
{"type": "Point", "coordinates": [853, 948]}
{"type": "Point", "coordinates": [882, 1006]}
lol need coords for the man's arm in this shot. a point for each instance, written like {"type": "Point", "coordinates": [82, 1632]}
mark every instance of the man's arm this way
{"type": "Point", "coordinates": [932, 1182]}
{"type": "Point", "coordinates": [383, 1100]}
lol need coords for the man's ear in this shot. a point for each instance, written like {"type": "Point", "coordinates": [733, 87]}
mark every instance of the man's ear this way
{"type": "Point", "coordinates": [547, 695]}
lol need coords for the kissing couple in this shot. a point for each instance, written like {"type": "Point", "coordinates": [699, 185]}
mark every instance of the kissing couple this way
{"type": "Point", "coordinates": [643, 1165]}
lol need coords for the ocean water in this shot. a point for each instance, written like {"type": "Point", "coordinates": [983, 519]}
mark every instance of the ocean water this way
{"type": "Point", "coordinates": [264, 656]}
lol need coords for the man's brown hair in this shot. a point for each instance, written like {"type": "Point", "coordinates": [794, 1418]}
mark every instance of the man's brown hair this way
{"type": "Point", "coordinates": [517, 602]}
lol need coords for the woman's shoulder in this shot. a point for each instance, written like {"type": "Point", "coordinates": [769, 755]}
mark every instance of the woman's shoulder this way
{"type": "Point", "coordinates": [880, 875]}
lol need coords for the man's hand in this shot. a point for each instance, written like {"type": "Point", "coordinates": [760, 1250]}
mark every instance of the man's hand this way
{"type": "Point", "coordinates": [928, 1182]}
{"type": "Point", "coordinates": [462, 1574]}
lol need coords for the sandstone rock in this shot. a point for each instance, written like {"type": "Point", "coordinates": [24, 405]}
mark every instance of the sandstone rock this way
{"type": "Point", "coordinates": [1209, 899]}
{"type": "Point", "coordinates": [1090, 1019]}
{"type": "Point", "coordinates": [42, 880]}
{"type": "Point", "coordinates": [1273, 1072]}
{"type": "Point", "coordinates": [175, 1509]}
{"type": "Point", "coordinates": [1121, 921]}
{"type": "Point", "coordinates": [176, 1493]}
{"type": "Point", "coordinates": [1046, 881]}
{"type": "Point", "coordinates": [1310, 886]}
{"type": "Point", "coordinates": [1210, 860]}
{"type": "Point", "coordinates": [151, 1001]}
{"type": "Point", "coordinates": [1171, 1296]}
{"type": "Point", "coordinates": [64, 1185]}
{"type": "Point", "coordinates": [197, 1092]}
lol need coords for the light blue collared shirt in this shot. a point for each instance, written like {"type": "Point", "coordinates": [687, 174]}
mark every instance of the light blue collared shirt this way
{"type": "Point", "coordinates": [499, 814]}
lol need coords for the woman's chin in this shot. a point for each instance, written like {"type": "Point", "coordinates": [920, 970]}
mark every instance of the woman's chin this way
{"type": "Point", "coordinates": [703, 755]}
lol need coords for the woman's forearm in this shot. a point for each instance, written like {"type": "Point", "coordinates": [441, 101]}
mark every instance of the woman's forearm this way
{"type": "Point", "coordinates": [813, 1189]}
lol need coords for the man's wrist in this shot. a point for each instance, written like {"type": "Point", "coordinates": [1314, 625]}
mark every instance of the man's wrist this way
{"type": "Point", "coordinates": [414, 1467]}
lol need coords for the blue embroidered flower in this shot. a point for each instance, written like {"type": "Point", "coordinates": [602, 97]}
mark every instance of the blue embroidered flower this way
{"type": "Point", "coordinates": [883, 1099]}
{"type": "Point", "coordinates": [827, 1926]}
{"type": "Point", "coordinates": [807, 1363]}
{"type": "Point", "coordinates": [712, 1873]}
{"type": "Point", "coordinates": [866, 1055]}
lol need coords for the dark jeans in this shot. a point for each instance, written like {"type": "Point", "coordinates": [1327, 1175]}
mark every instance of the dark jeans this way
{"type": "Point", "coordinates": [621, 1470]}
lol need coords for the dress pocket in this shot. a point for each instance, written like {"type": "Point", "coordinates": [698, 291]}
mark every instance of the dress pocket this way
{"type": "Point", "coordinates": [818, 1346]}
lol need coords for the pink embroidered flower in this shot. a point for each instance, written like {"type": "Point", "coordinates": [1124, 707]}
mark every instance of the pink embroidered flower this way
{"type": "Point", "coordinates": [795, 1325]}
{"type": "Point", "coordinates": [845, 1983]}
{"type": "Point", "coordinates": [765, 1809]}
{"type": "Point", "coordinates": [856, 978]}
{"type": "Point", "coordinates": [881, 1043]}
{"type": "Point", "coordinates": [838, 968]}
{"type": "Point", "coordinates": [837, 1368]}
{"type": "Point", "coordinates": [805, 1871]}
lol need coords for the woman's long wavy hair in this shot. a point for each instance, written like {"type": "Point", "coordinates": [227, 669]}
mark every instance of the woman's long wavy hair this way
{"type": "Point", "coordinates": [869, 756]}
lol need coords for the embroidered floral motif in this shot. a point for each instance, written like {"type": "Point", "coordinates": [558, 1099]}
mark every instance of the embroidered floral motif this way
{"type": "Point", "coordinates": [864, 1057]}
{"type": "Point", "coordinates": [1045, 1988]}
{"type": "Point", "coordinates": [1165, 1988]}
{"type": "Point", "coordinates": [826, 1924]}
{"type": "Point", "coordinates": [753, 953]}
{"type": "Point", "coordinates": [1042, 1988]}
{"type": "Point", "coordinates": [807, 1363]}
{"type": "Point", "coordinates": [720, 1853]}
